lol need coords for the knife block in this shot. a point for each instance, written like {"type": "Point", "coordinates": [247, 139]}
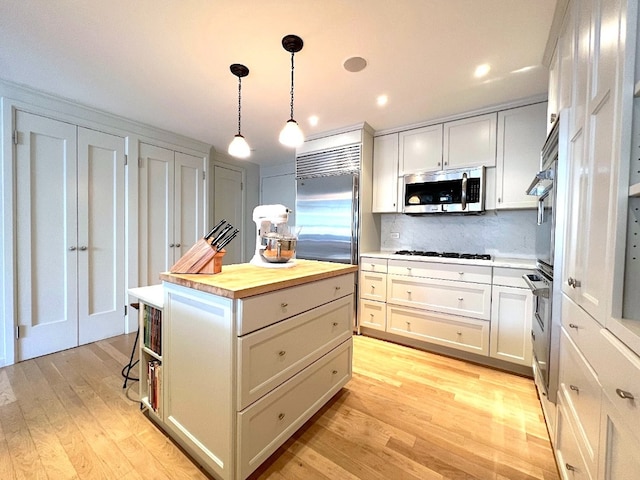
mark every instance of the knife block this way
{"type": "Point", "coordinates": [201, 258]}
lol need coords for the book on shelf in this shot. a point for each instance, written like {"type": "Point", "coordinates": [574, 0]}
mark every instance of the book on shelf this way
{"type": "Point", "coordinates": [154, 385]}
{"type": "Point", "coordinates": [152, 328]}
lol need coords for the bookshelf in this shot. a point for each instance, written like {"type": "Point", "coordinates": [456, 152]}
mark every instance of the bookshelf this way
{"type": "Point", "coordinates": [150, 323]}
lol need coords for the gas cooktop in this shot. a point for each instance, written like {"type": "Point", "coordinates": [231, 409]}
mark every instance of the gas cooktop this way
{"type": "Point", "coordinates": [466, 256]}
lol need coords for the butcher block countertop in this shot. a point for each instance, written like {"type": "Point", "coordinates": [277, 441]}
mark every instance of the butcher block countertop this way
{"type": "Point", "coordinates": [245, 280]}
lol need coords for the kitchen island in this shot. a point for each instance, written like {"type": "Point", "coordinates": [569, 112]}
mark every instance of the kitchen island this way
{"type": "Point", "coordinates": [247, 356]}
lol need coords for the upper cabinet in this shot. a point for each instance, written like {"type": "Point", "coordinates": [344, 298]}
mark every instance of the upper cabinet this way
{"type": "Point", "coordinates": [470, 142]}
{"type": "Point", "coordinates": [521, 134]}
{"type": "Point", "coordinates": [461, 143]}
{"type": "Point", "coordinates": [386, 187]}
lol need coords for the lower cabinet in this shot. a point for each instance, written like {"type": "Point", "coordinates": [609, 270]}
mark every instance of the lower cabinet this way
{"type": "Point", "coordinates": [472, 308]}
{"type": "Point", "coordinates": [238, 378]}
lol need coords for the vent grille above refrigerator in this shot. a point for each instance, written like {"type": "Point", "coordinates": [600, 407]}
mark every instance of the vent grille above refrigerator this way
{"type": "Point", "coordinates": [335, 161]}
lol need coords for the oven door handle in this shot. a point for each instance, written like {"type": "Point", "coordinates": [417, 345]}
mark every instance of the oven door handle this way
{"type": "Point", "coordinates": [538, 288]}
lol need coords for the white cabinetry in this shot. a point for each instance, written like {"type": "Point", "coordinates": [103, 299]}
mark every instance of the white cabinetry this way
{"type": "Point", "coordinates": [242, 375]}
{"type": "Point", "coordinates": [172, 207]}
{"type": "Point", "coordinates": [386, 186]}
{"type": "Point", "coordinates": [470, 142]}
{"type": "Point", "coordinates": [69, 235]}
{"type": "Point", "coordinates": [511, 314]}
{"type": "Point", "coordinates": [521, 134]}
{"type": "Point", "coordinates": [373, 293]}
{"type": "Point", "coordinates": [420, 150]}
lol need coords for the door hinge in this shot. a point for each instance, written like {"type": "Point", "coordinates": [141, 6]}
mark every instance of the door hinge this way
{"type": "Point", "coordinates": [241, 186]}
{"type": "Point", "coordinates": [139, 162]}
{"type": "Point", "coordinates": [125, 310]}
{"type": "Point", "coordinates": [204, 175]}
{"type": "Point", "coordinates": [14, 137]}
{"type": "Point", "coordinates": [20, 333]}
{"type": "Point", "coordinates": [126, 159]}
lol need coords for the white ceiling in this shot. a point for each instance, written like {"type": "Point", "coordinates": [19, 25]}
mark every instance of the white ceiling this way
{"type": "Point", "coordinates": [166, 62]}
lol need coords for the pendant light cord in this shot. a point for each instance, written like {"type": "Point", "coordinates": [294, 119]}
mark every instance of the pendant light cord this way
{"type": "Point", "coordinates": [240, 103]}
{"type": "Point", "coordinates": [291, 85]}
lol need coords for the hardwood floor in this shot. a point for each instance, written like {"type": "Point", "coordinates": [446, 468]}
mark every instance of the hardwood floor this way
{"type": "Point", "coordinates": [406, 414]}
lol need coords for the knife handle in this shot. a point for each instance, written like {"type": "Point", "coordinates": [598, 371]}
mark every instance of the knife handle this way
{"type": "Point", "coordinates": [215, 229]}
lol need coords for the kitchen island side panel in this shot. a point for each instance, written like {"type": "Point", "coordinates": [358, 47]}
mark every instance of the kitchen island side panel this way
{"type": "Point", "coordinates": [199, 364]}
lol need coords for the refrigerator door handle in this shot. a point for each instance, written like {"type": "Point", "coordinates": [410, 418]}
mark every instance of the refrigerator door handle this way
{"type": "Point", "coordinates": [355, 223]}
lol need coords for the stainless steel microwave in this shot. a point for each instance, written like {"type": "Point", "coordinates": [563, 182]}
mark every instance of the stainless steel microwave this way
{"type": "Point", "coordinates": [447, 191]}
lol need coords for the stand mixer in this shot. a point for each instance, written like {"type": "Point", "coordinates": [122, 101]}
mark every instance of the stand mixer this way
{"type": "Point", "coordinates": [275, 245]}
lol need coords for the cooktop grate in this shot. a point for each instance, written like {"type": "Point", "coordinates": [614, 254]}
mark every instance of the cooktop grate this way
{"type": "Point", "coordinates": [466, 256]}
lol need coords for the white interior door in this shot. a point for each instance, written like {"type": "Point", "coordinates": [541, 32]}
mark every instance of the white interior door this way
{"type": "Point", "coordinates": [229, 205]}
{"type": "Point", "coordinates": [101, 224]}
{"type": "Point", "coordinates": [46, 232]}
{"type": "Point", "coordinates": [189, 202]}
{"type": "Point", "coordinates": [156, 253]}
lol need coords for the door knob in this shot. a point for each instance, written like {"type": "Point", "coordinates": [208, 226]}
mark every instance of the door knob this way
{"type": "Point", "coordinates": [72, 249]}
{"type": "Point", "coordinates": [83, 248]}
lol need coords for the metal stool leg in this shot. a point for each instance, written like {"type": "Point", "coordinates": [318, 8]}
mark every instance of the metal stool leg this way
{"type": "Point", "coordinates": [131, 363]}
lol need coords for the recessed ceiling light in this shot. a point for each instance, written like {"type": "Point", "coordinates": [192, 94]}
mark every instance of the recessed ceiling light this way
{"type": "Point", "coordinates": [382, 100]}
{"type": "Point", "coordinates": [354, 64]}
{"type": "Point", "coordinates": [482, 70]}
{"type": "Point", "coordinates": [313, 120]}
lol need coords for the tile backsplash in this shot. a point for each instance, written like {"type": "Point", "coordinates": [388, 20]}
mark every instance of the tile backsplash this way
{"type": "Point", "coordinates": [507, 233]}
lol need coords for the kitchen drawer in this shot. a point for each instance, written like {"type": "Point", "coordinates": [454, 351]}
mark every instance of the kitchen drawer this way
{"type": "Point", "coordinates": [373, 314]}
{"type": "Point", "coordinates": [582, 394]}
{"type": "Point", "coordinates": [456, 298]}
{"type": "Point", "coordinates": [263, 310]}
{"type": "Point", "coordinates": [269, 422]}
{"type": "Point", "coordinates": [270, 356]}
{"type": "Point", "coordinates": [373, 286]}
{"type": "Point", "coordinates": [444, 271]}
{"type": "Point", "coordinates": [510, 277]}
{"type": "Point", "coordinates": [583, 330]}
{"type": "Point", "coordinates": [373, 264]}
{"type": "Point", "coordinates": [570, 462]}
{"type": "Point", "coordinates": [620, 377]}
{"type": "Point", "coordinates": [448, 330]}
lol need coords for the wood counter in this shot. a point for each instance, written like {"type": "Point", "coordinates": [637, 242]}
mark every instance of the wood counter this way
{"type": "Point", "coordinates": [245, 280]}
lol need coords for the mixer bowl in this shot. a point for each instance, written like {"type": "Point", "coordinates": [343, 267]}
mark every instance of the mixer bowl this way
{"type": "Point", "coordinates": [278, 249]}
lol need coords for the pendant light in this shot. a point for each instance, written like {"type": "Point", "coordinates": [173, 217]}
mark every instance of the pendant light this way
{"type": "Point", "coordinates": [291, 135]}
{"type": "Point", "coordinates": [239, 147]}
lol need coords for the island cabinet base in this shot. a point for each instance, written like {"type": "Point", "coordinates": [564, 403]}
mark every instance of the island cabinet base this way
{"type": "Point", "coordinates": [232, 395]}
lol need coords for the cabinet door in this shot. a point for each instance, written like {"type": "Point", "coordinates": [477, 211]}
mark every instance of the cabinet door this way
{"type": "Point", "coordinates": [470, 142]}
{"type": "Point", "coordinates": [189, 208]}
{"type": "Point", "coordinates": [521, 134]}
{"type": "Point", "coordinates": [511, 314]}
{"type": "Point", "coordinates": [101, 237]}
{"type": "Point", "coordinates": [46, 279]}
{"type": "Point", "coordinates": [619, 446]}
{"type": "Point", "coordinates": [420, 150]}
{"type": "Point", "coordinates": [554, 88]}
{"type": "Point", "coordinates": [156, 212]}
{"type": "Point", "coordinates": [385, 174]}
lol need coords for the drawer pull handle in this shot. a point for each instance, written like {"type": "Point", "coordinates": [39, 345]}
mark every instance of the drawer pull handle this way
{"type": "Point", "coordinates": [573, 325]}
{"type": "Point", "coordinates": [373, 287]}
{"type": "Point", "coordinates": [282, 353]}
{"type": "Point", "coordinates": [284, 305]}
{"type": "Point", "coordinates": [460, 273]}
{"type": "Point", "coordinates": [334, 372]}
{"type": "Point", "coordinates": [624, 394]}
{"type": "Point", "coordinates": [408, 292]}
{"type": "Point", "coordinates": [335, 324]}
{"type": "Point", "coordinates": [459, 332]}
{"type": "Point", "coordinates": [460, 298]}
{"type": "Point", "coordinates": [574, 388]}
{"type": "Point", "coordinates": [570, 467]}
{"type": "Point", "coordinates": [371, 315]}
{"type": "Point", "coordinates": [373, 266]}
{"type": "Point", "coordinates": [281, 416]}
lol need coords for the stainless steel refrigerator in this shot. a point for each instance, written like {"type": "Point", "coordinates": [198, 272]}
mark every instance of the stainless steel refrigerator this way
{"type": "Point", "coordinates": [327, 218]}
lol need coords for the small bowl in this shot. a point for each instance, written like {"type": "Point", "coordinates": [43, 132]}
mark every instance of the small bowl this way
{"type": "Point", "coordinates": [278, 249]}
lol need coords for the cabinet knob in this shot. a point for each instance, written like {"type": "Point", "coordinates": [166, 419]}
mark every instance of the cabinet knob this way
{"type": "Point", "coordinates": [460, 273]}
{"type": "Point", "coordinates": [460, 299]}
{"type": "Point", "coordinates": [337, 288]}
{"type": "Point", "coordinates": [438, 163]}
{"type": "Point", "coordinates": [409, 269]}
{"type": "Point", "coordinates": [334, 372]}
{"type": "Point", "coordinates": [284, 305]}
{"type": "Point", "coordinates": [72, 249]}
{"type": "Point", "coordinates": [574, 388]}
{"type": "Point", "coordinates": [373, 287]}
{"type": "Point", "coordinates": [624, 394]}
{"type": "Point", "coordinates": [281, 416]}
{"type": "Point", "coordinates": [177, 245]}
{"type": "Point", "coordinates": [371, 315]}
{"type": "Point", "coordinates": [573, 283]}
{"type": "Point", "coordinates": [171, 245]}
{"type": "Point", "coordinates": [282, 353]}
{"type": "Point", "coordinates": [409, 292]}
{"type": "Point", "coordinates": [83, 248]}
{"type": "Point", "coordinates": [335, 324]}
{"type": "Point", "coordinates": [499, 200]}
{"type": "Point", "coordinates": [573, 325]}
{"type": "Point", "coordinates": [459, 332]}
{"type": "Point", "coordinates": [373, 266]}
